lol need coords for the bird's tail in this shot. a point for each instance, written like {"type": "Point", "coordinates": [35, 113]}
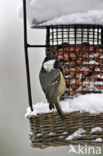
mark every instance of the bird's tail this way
{"type": "Point", "coordinates": [51, 106]}
{"type": "Point", "coordinates": [60, 112]}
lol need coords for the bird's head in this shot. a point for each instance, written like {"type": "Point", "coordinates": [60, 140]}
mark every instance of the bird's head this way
{"type": "Point", "coordinates": [51, 62]}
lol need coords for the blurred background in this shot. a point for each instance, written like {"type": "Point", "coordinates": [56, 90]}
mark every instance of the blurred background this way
{"type": "Point", "coordinates": [14, 128]}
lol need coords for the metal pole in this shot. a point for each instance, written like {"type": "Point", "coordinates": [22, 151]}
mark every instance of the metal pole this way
{"type": "Point", "coordinates": [26, 55]}
{"type": "Point", "coordinates": [47, 40]}
{"type": "Point", "coordinates": [102, 35]}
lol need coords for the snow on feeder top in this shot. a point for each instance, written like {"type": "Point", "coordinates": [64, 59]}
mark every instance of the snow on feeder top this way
{"type": "Point", "coordinates": [78, 39]}
{"type": "Point", "coordinates": [55, 12]}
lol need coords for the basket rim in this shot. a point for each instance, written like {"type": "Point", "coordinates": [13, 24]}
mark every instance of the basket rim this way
{"type": "Point", "coordinates": [66, 113]}
{"type": "Point", "coordinates": [40, 26]}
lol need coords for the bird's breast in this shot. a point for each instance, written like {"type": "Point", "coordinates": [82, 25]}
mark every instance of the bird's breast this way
{"type": "Point", "coordinates": [62, 86]}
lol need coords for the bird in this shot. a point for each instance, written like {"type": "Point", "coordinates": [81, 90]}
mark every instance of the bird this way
{"type": "Point", "coordinates": [53, 83]}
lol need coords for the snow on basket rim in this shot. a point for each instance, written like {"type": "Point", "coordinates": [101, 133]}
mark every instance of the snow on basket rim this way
{"type": "Point", "coordinates": [92, 103]}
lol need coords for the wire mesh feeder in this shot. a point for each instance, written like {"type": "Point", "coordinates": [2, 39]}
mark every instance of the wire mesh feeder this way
{"type": "Point", "coordinates": [81, 47]}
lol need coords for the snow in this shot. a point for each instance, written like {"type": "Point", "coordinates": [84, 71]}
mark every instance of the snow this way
{"type": "Point", "coordinates": [99, 76]}
{"type": "Point", "coordinates": [93, 83]}
{"type": "Point", "coordinates": [92, 103]}
{"type": "Point", "coordinates": [88, 17]}
{"type": "Point", "coordinates": [63, 11]}
{"type": "Point", "coordinates": [78, 133]}
{"type": "Point", "coordinates": [98, 140]}
{"type": "Point", "coordinates": [39, 134]}
{"type": "Point", "coordinates": [51, 133]}
{"type": "Point", "coordinates": [64, 132]}
{"type": "Point", "coordinates": [96, 129]}
{"type": "Point", "coordinates": [101, 56]}
{"type": "Point", "coordinates": [90, 86]}
{"type": "Point", "coordinates": [95, 55]}
{"type": "Point", "coordinates": [91, 62]}
{"type": "Point", "coordinates": [30, 133]}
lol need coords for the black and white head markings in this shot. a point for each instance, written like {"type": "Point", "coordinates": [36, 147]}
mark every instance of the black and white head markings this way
{"type": "Point", "coordinates": [50, 63]}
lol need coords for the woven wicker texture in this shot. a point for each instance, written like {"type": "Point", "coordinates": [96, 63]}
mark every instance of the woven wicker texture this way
{"type": "Point", "coordinates": [49, 130]}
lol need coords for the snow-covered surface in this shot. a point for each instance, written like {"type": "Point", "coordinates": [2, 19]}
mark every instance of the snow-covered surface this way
{"type": "Point", "coordinates": [92, 103]}
{"type": "Point", "coordinates": [91, 62]}
{"type": "Point", "coordinates": [64, 132]}
{"type": "Point", "coordinates": [80, 132]}
{"type": "Point", "coordinates": [96, 129]}
{"type": "Point", "coordinates": [89, 17]}
{"type": "Point", "coordinates": [101, 56]}
{"type": "Point", "coordinates": [98, 140]}
{"type": "Point", "coordinates": [39, 134]}
{"type": "Point", "coordinates": [93, 83]}
{"type": "Point", "coordinates": [63, 11]}
{"type": "Point", "coordinates": [51, 133]}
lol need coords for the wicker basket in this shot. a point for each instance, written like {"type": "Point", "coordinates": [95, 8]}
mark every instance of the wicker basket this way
{"type": "Point", "coordinates": [48, 129]}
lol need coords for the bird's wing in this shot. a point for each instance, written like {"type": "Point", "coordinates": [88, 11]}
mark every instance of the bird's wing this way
{"type": "Point", "coordinates": [49, 82]}
{"type": "Point", "coordinates": [52, 89]}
